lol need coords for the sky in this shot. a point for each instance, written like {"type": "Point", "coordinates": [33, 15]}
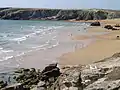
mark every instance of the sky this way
{"type": "Point", "coordinates": [62, 4]}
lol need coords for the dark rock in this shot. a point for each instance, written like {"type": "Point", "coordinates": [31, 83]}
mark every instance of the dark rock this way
{"type": "Point", "coordinates": [26, 70]}
{"type": "Point", "coordinates": [49, 67]}
{"type": "Point", "coordinates": [108, 27]}
{"type": "Point", "coordinates": [33, 70]}
{"type": "Point", "coordinates": [2, 84]}
{"type": "Point", "coordinates": [115, 29]}
{"type": "Point", "coordinates": [95, 24]}
{"type": "Point", "coordinates": [52, 73]}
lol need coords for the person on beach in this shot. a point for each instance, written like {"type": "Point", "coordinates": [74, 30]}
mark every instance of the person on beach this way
{"type": "Point", "coordinates": [9, 79]}
{"type": "Point", "coordinates": [70, 34]}
{"type": "Point", "coordinates": [75, 47]}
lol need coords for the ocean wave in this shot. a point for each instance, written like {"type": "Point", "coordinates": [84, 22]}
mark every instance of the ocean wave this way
{"type": "Point", "coordinates": [5, 51]}
{"type": "Point", "coordinates": [36, 32]}
{"type": "Point", "coordinates": [52, 46]}
{"type": "Point", "coordinates": [40, 46]}
{"type": "Point", "coordinates": [19, 39]}
{"type": "Point", "coordinates": [8, 57]}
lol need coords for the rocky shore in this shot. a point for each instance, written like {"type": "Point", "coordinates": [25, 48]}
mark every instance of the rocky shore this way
{"type": "Point", "coordinates": [57, 14]}
{"type": "Point", "coordinates": [101, 75]}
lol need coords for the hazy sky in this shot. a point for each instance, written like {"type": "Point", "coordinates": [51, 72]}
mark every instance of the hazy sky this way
{"type": "Point", "coordinates": [75, 4]}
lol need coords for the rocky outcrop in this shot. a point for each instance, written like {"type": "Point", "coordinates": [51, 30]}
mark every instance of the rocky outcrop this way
{"type": "Point", "coordinates": [3, 84]}
{"type": "Point", "coordinates": [57, 14]}
{"type": "Point", "coordinates": [29, 78]}
{"type": "Point", "coordinates": [101, 75]}
{"type": "Point", "coordinates": [111, 27]}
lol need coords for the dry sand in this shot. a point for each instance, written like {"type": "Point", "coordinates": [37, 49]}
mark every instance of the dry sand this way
{"type": "Point", "coordinates": [105, 46]}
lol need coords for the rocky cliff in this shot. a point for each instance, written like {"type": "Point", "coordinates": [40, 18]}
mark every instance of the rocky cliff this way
{"type": "Point", "coordinates": [57, 14]}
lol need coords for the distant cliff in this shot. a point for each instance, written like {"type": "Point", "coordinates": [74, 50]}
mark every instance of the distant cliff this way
{"type": "Point", "coordinates": [57, 14]}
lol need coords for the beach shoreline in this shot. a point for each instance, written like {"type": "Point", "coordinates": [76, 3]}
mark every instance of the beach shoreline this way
{"type": "Point", "coordinates": [39, 59]}
{"type": "Point", "coordinates": [104, 46]}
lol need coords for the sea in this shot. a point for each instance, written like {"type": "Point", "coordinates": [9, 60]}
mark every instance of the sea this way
{"type": "Point", "coordinates": [20, 37]}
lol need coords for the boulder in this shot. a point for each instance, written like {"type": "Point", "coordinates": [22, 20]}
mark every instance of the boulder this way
{"type": "Point", "coordinates": [50, 71]}
{"type": "Point", "coordinates": [53, 73]}
{"type": "Point", "coordinates": [49, 67]}
{"type": "Point", "coordinates": [108, 27]}
{"type": "Point", "coordinates": [69, 80]}
{"type": "Point", "coordinates": [2, 84]}
{"type": "Point", "coordinates": [95, 24]}
{"type": "Point", "coordinates": [114, 28]}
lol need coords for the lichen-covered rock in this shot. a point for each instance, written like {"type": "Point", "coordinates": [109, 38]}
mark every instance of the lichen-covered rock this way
{"type": "Point", "coordinates": [71, 79]}
{"type": "Point", "coordinates": [28, 77]}
{"type": "Point", "coordinates": [91, 74]}
{"type": "Point", "coordinates": [104, 85]}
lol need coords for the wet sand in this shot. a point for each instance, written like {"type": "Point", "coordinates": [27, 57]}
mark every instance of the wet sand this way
{"type": "Point", "coordinates": [105, 45]}
{"type": "Point", "coordinates": [41, 58]}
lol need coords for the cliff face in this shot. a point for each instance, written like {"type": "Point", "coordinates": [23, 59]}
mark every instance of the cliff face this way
{"type": "Point", "coordinates": [57, 14]}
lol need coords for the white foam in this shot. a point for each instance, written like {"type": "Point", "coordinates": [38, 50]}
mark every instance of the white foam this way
{"type": "Point", "coordinates": [6, 51]}
{"type": "Point", "coordinates": [19, 39]}
{"type": "Point", "coordinates": [1, 48]}
{"type": "Point", "coordinates": [48, 41]}
{"type": "Point", "coordinates": [21, 54]}
{"type": "Point", "coordinates": [6, 58]}
{"type": "Point", "coordinates": [53, 45]}
{"type": "Point", "coordinates": [41, 46]}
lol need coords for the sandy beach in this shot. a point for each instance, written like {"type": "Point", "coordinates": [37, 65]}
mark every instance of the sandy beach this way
{"type": "Point", "coordinates": [105, 45]}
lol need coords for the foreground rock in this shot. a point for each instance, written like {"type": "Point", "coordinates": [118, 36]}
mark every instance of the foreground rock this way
{"type": "Point", "coordinates": [101, 75]}
{"type": "Point", "coordinates": [3, 84]}
{"type": "Point", "coordinates": [29, 78]}
{"type": "Point", "coordinates": [48, 77]}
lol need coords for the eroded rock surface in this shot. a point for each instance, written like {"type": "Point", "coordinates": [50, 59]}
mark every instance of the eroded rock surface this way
{"type": "Point", "coordinates": [101, 75]}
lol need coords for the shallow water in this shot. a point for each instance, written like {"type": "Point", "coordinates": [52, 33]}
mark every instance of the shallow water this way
{"type": "Point", "coordinates": [20, 41]}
